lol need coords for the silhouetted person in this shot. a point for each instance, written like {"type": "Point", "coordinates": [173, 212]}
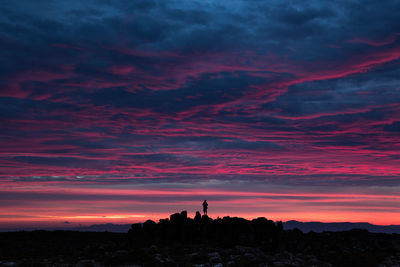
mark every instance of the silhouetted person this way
{"type": "Point", "coordinates": [205, 207]}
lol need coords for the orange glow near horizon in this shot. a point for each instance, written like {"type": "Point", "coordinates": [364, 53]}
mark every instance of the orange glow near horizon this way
{"type": "Point", "coordinates": [86, 220]}
{"type": "Point", "coordinates": [50, 206]}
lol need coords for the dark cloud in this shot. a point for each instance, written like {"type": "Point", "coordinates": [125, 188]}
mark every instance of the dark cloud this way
{"type": "Point", "coordinates": [69, 162]}
{"type": "Point", "coordinates": [207, 90]}
{"type": "Point", "coordinates": [394, 127]}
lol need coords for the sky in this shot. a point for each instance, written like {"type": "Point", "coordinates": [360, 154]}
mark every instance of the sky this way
{"type": "Point", "coordinates": [123, 111]}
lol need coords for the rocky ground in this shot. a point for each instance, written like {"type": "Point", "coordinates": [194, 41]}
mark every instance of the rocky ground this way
{"type": "Point", "coordinates": [109, 249]}
{"type": "Point", "coordinates": [216, 257]}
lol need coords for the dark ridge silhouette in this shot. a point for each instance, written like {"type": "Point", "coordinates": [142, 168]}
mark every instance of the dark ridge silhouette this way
{"type": "Point", "coordinates": [342, 226]}
{"type": "Point", "coordinates": [289, 225]}
{"type": "Point", "coordinates": [183, 241]}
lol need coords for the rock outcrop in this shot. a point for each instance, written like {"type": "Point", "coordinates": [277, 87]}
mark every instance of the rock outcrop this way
{"type": "Point", "coordinates": [226, 231]}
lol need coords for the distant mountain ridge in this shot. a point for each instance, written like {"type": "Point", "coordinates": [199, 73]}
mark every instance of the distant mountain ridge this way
{"type": "Point", "coordinates": [340, 226]}
{"type": "Point", "coordinates": [303, 226]}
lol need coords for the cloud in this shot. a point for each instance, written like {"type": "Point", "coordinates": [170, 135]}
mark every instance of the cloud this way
{"type": "Point", "coordinates": [394, 127]}
{"type": "Point", "coordinates": [165, 92]}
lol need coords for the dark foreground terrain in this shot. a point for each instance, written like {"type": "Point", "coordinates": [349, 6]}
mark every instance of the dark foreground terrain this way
{"type": "Point", "coordinates": [181, 241]}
